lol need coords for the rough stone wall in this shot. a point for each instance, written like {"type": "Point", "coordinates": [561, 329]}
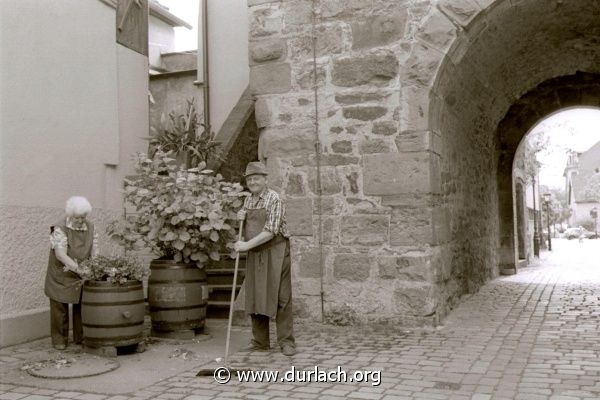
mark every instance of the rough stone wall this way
{"type": "Point", "coordinates": [410, 94]}
{"type": "Point", "coordinates": [382, 232]}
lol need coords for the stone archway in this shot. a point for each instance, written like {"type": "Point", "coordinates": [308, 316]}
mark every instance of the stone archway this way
{"type": "Point", "coordinates": [409, 99]}
{"type": "Point", "coordinates": [489, 80]}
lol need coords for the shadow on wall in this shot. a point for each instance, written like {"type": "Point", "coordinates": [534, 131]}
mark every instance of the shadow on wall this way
{"type": "Point", "coordinates": [244, 150]}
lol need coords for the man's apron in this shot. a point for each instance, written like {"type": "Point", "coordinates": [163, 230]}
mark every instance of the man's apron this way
{"type": "Point", "coordinates": [263, 267]}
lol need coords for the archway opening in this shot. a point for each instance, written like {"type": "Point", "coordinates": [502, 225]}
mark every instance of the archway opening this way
{"type": "Point", "coordinates": [553, 184]}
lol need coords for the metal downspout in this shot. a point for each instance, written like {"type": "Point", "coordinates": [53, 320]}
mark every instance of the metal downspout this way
{"type": "Point", "coordinates": [318, 157]}
{"type": "Point", "coordinates": [205, 76]}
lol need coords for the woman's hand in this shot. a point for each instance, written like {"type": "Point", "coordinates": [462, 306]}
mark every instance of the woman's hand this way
{"type": "Point", "coordinates": [71, 266]}
{"type": "Point", "coordinates": [241, 215]}
{"type": "Point", "coordinates": [241, 246]}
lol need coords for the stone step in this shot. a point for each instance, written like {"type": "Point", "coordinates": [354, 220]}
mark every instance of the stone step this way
{"type": "Point", "coordinates": [227, 262]}
{"type": "Point", "coordinates": [218, 309]}
{"type": "Point", "coordinates": [220, 292]}
{"type": "Point", "coordinates": [224, 276]}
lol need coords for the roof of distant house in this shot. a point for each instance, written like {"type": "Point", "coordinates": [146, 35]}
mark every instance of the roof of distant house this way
{"type": "Point", "coordinates": [589, 164]}
{"type": "Point", "coordinates": [159, 11]}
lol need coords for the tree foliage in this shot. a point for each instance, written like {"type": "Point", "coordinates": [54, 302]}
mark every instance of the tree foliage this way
{"type": "Point", "coordinates": [183, 214]}
{"type": "Point", "coordinates": [559, 209]}
{"type": "Point", "coordinates": [591, 190]}
{"type": "Point", "coordinates": [526, 155]}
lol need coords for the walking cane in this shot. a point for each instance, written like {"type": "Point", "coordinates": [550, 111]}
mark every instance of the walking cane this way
{"type": "Point", "coordinates": [212, 372]}
{"type": "Point", "coordinates": [233, 287]}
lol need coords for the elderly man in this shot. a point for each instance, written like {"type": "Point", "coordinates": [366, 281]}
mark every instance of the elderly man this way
{"type": "Point", "coordinates": [268, 282]}
{"type": "Point", "coordinates": [72, 240]}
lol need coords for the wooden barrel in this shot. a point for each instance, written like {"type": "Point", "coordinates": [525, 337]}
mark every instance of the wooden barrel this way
{"type": "Point", "coordinates": [177, 296]}
{"type": "Point", "coordinates": [112, 314]}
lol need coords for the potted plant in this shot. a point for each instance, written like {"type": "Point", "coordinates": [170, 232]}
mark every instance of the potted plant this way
{"type": "Point", "coordinates": [113, 308]}
{"type": "Point", "coordinates": [186, 217]}
{"type": "Point", "coordinates": [185, 137]}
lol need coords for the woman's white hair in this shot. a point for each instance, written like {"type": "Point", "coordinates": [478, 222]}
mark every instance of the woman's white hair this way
{"type": "Point", "coordinates": [78, 205]}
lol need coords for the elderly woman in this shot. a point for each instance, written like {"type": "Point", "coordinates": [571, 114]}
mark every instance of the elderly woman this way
{"type": "Point", "coordinates": [72, 240]}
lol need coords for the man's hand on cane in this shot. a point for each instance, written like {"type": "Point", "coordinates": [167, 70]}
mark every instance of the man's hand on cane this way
{"type": "Point", "coordinates": [240, 246]}
{"type": "Point", "coordinates": [241, 215]}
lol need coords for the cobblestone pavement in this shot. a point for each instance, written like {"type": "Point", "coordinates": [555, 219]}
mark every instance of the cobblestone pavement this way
{"type": "Point", "coordinates": [530, 336]}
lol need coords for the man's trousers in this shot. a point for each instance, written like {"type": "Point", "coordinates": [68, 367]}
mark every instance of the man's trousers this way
{"type": "Point", "coordinates": [284, 319]}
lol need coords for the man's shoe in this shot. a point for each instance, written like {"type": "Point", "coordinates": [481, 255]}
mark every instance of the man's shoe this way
{"type": "Point", "coordinates": [255, 347]}
{"type": "Point", "coordinates": [60, 346]}
{"type": "Point", "coordinates": [288, 350]}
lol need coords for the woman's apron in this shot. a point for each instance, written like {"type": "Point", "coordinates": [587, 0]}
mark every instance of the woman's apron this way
{"type": "Point", "coordinates": [263, 267]}
{"type": "Point", "coordinates": [65, 286]}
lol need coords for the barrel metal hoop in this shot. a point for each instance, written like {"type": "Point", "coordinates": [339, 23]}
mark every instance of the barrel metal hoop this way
{"type": "Point", "coordinates": [193, 306]}
{"type": "Point", "coordinates": [154, 266]}
{"type": "Point", "coordinates": [99, 289]}
{"type": "Point", "coordinates": [111, 339]}
{"type": "Point", "coordinates": [170, 326]}
{"type": "Point", "coordinates": [124, 325]}
{"type": "Point", "coordinates": [115, 303]}
{"type": "Point", "coordinates": [106, 284]}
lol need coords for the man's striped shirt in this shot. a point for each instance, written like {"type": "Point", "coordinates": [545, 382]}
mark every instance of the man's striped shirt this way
{"type": "Point", "coordinates": [275, 209]}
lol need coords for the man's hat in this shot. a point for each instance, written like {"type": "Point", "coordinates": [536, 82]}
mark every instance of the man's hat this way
{"type": "Point", "coordinates": [255, 168]}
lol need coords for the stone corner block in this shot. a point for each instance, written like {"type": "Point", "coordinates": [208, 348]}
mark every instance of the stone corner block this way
{"type": "Point", "coordinates": [267, 50]}
{"type": "Point", "coordinates": [352, 267]}
{"type": "Point", "coordinates": [460, 11]}
{"type": "Point", "coordinates": [422, 66]}
{"type": "Point", "coordinates": [415, 298]}
{"type": "Point", "coordinates": [397, 173]}
{"type": "Point", "coordinates": [364, 113]}
{"type": "Point", "coordinates": [299, 216]}
{"type": "Point", "coordinates": [441, 225]}
{"type": "Point", "coordinates": [377, 67]}
{"type": "Point", "coordinates": [262, 113]}
{"type": "Point", "coordinates": [437, 31]}
{"type": "Point", "coordinates": [270, 78]}
{"type": "Point", "coordinates": [411, 266]}
{"type": "Point", "coordinates": [411, 226]}
{"type": "Point", "coordinates": [366, 230]}
{"type": "Point", "coordinates": [308, 262]}
{"type": "Point", "coordinates": [275, 142]}
{"type": "Point", "coordinates": [409, 141]}
{"type": "Point", "coordinates": [379, 30]}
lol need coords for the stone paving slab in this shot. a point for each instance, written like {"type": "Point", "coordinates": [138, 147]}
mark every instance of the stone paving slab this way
{"type": "Point", "coordinates": [529, 336]}
{"type": "Point", "coordinates": [162, 359]}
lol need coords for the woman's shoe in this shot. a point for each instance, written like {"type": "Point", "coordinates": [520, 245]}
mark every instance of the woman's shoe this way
{"type": "Point", "coordinates": [288, 350]}
{"type": "Point", "coordinates": [60, 346]}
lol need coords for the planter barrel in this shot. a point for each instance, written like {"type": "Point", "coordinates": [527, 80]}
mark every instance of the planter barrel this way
{"type": "Point", "coordinates": [112, 314]}
{"type": "Point", "coordinates": [177, 297]}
